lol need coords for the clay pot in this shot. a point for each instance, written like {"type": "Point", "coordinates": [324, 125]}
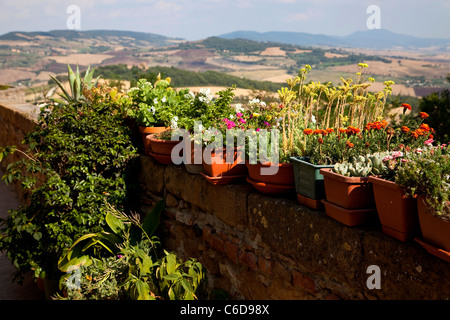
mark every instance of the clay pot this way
{"type": "Point", "coordinates": [145, 131]}
{"type": "Point", "coordinates": [284, 175]}
{"type": "Point", "coordinates": [280, 182]}
{"type": "Point", "coordinates": [435, 230]}
{"type": "Point", "coordinates": [215, 165]}
{"type": "Point", "coordinates": [161, 150]}
{"type": "Point", "coordinates": [349, 200]}
{"type": "Point", "coordinates": [348, 192]}
{"type": "Point", "coordinates": [397, 212]}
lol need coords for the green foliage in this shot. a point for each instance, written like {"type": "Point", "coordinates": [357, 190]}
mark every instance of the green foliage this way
{"type": "Point", "coordinates": [183, 78]}
{"type": "Point", "coordinates": [427, 173]}
{"type": "Point", "coordinates": [437, 105]}
{"type": "Point", "coordinates": [78, 155]}
{"type": "Point", "coordinates": [76, 83]}
{"type": "Point", "coordinates": [158, 104]}
{"type": "Point", "coordinates": [123, 263]}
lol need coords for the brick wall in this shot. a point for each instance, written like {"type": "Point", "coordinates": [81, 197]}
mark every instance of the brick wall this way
{"type": "Point", "coordinates": [261, 247]}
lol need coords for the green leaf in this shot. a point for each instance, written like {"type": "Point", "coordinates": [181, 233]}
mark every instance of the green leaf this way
{"type": "Point", "coordinates": [116, 225]}
{"type": "Point", "coordinates": [151, 220]}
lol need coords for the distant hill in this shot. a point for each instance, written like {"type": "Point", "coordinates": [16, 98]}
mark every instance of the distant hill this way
{"type": "Point", "coordinates": [119, 37]}
{"type": "Point", "coordinates": [369, 39]}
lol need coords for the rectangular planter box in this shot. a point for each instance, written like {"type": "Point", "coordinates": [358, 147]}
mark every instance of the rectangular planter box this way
{"type": "Point", "coordinates": [308, 179]}
{"type": "Point", "coordinates": [348, 192]}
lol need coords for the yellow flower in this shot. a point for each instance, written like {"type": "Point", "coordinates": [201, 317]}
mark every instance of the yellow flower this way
{"type": "Point", "coordinates": [256, 115]}
{"type": "Point", "coordinates": [268, 118]}
{"type": "Point", "coordinates": [89, 278]}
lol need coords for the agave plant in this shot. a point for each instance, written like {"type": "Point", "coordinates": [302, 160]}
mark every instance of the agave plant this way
{"type": "Point", "coordinates": [76, 83]}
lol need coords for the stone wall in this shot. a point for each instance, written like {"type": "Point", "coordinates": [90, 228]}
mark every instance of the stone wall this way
{"type": "Point", "coordinates": [261, 247]}
{"type": "Point", "coordinates": [16, 120]}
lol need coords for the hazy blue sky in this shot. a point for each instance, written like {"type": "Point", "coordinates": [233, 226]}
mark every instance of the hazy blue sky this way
{"type": "Point", "coordinates": [198, 19]}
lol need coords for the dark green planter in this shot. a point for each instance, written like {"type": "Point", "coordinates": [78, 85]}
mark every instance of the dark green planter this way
{"type": "Point", "coordinates": [308, 179]}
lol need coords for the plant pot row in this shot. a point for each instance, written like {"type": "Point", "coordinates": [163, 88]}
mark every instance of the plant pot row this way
{"type": "Point", "coordinates": [353, 201]}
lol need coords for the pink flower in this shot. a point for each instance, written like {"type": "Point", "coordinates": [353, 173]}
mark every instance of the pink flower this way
{"type": "Point", "coordinates": [397, 154]}
{"type": "Point", "coordinates": [257, 130]}
{"type": "Point", "coordinates": [239, 114]}
{"type": "Point", "coordinates": [241, 120]}
{"type": "Point", "coordinates": [428, 142]}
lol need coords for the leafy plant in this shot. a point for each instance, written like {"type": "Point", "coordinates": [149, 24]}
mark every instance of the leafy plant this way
{"type": "Point", "coordinates": [76, 84]}
{"type": "Point", "coordinates": [123, 263]}
{"type": "Point", "coordinates": [156, 104]}
{"type": "Point", "coordinates": [80, 153]}
{"type": "Point", "coordinates": [427, 173]}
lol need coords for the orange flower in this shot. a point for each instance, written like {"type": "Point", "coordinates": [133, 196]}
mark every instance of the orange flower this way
{"type": "Point", "coordinates": [308, 131]}
{"type": "Point", "coordinates": [425, 127]}
{"type": "Point", "coordinates": [343, 130]}
{"type": "Point", "coordinates": [423, 115]}
{"type": "Point", "coordinates": [406, 106]}
{"type": "Point", "coordinates": [317, 131]}
{"type": "Point", "coordinates": [415, 134]}
{"type": "Point", "coordinates": [352, 130]}
{"type": "Point", "coordinates": [320, 140]}
{"type": "Point", "coordinates": [405, 129]}
{"type": "Point", "coordinates": [349, 144]}
{"type": "Point", "coordinates": [368, 126]}
{"type": "Point", "coordinates": [330, 130]}
{"type": "Point", "coordinates": [430, 136]}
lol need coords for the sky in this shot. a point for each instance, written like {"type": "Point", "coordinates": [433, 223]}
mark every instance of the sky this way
{"type": "Point", "coordinates": [199, 19]}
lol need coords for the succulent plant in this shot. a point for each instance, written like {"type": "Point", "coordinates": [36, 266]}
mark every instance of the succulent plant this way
{"type": "Point", "coordinates": [359, 166]}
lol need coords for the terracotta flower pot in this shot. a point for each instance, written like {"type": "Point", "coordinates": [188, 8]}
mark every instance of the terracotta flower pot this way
{"type": "Point", "coordinates": [161, 150]}
{"type": "Point", "coordinates": [350, 217]}
{"type": "Point", "coordinates": [397, 212]}
{"type": "Point", "coordinates": [435, 230]}
{"type": "Point", "coordinates": [193, 167]}
{"type": "Point", "coordinates": [348, 192]}
{"type": "Point", "coordinates": [280, 182]}
{"type": "Point", "coordinates": [216, 165]}
{"type": "Point", "coordinates": [145, 131]}
{"type": "Point", "coordinates": [349, 200]}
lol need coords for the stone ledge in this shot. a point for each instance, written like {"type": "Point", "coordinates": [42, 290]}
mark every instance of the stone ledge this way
{"type": "Point", "coordinates": [287, 245]}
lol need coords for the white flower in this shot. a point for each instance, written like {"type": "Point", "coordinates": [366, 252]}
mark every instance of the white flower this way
{"type": "Point", "coordinates": [152, 110]}
{"type": "Point", "coordinates": [174, 122]}
{"type": "Point", "coordinates": [163, 99]}
{"type": "Point", "coordinates": [239, 108]}
{"type": "Point", "coordinates": [205, 95]}
{"type": "Point", "coordinates": [231, 116]}
{"type": "Point", "coordinates": [263, 103]}
{"type": "Point", "coordinates": [254, 101]}
{"type": "Point", "coordinates": [155, 101]}
{"type": "Point", "coordinates": [313, 119]}
{"type": "Point", "coordinates": [189, 96]}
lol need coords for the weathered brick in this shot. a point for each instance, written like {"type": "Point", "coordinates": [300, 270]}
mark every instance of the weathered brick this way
{"type": "Point", "coordinates": [249, 258]}
{"type": "Point", "coordinates": [265, 265]}
{"type": "Point", "coordinates": [303, 281]}
{"type": "Point", "coordinates": [217, 242]}
{"type": "Point", "coordinates": [232, 251]}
